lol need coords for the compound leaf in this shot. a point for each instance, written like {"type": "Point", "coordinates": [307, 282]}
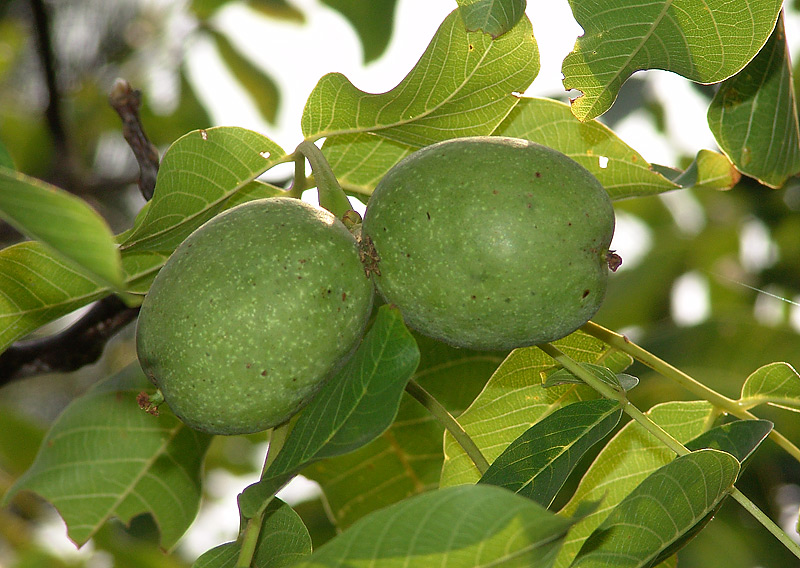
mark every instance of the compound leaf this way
{"type": "Point", "coordinates": [776, 383]}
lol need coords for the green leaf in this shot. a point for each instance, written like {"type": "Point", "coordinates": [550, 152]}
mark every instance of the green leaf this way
{"type": "Point", "coordinates": [352, 409]}
{"type": "Point", "coordinates": [5, 158]}
{"type": "Point", "coordinates": [39, 286]}
{"type": "Point", "coordinates": [198, 174]}
{"type": "Point", "coordinates": [537, 464]}
{"type": "Point", "coordinates": [625, 461]}
{"type": "Point", "coordinates": [262, 89]}
{"type": "Point", "coordinates": [462, 86]}
{"type": "Point", "coordinates": [606, 375]}
{"type": "Point", "coordinates": [457, 527]}
{"type": "Point", "coordinates": [740, 438]}
{"type": "Point", "coordinates": [282, 542]}
{"type": "Point", "coordinates": [494, 17]}
{"type": "Point", "coordinates": [19, 438]}
{"type": "Point", "coordinates": [621, 169]}
{"type": "Point", "coordinates": [514, 400]}
{"type": "Point", "coordinates": [407, 458]}
{"type": "Point", "coordinates": [106, 457]}
{"type": "Point", "coordinates": [655, 519]}
{"type": "Point", "coordinates": [709, 170]}
{"type": "Point", "coordinates": [371, 20]}
{"type": "Point", "coordinates": [753, 115]}
{"type": "Point", "coordinates": [777, 384]}
{"type": "Point", "coordinates": [706, 42]}
{"type": "Point", "coordinates": [61, 221]}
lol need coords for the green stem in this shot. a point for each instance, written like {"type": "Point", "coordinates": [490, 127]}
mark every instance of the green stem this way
{"type": "Point", "coordinates": [439, 412]}
{"type": "Point", "coordinates": [252, 529]}
{"type": "Point", "coordinates": [299, 183]}
{"type": "Point", "coordinates": [768, 523]}
{"type": "Point", "coordinates": [698, 389]}
{"type": "Point", "coordinates": [331, 195]}
{"type": "Point", "coordinates": [572, 366]}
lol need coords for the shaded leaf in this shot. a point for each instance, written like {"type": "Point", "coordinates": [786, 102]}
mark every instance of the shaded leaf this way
{"type": "Point", "coordinates": [407, 458]}
{"type": "Point", "coordinates": [537, 464]}
{"type": "Point", "coordinates": [709, 170]}
{"type": "Point", "coordinates": [739, 438]}
{"type": "Point", "coordinates": [198, 173]}
{"type": "Point", "coordinates": [460, 527]}
{"type": "Point", "coordinates": [262, 89]}
{"type": "Point", "coordinates": [514, 400]}
{"type": "Point", "coordinates": [282, 542]}
{"type": "Point", "coordinates": [461, 86]}
{"type": "Point", "coordinates": [5, 158]}
{"type": "Point", "coordinates": [63, 222]}
{"type": "Point", "coordinates": [281, 9]}
{"type": "Point", "coordinates": [621, 169]}
{"type": "Point", "coordinates": [625, 461]}
{"type": "Point", "coordinates": [371, 20]}
{"type": "Point", "coordinates": [656, 518]}
{"type": "Point", "coordinates": [105, 457]}
{"type": "Point", "coordinates": [20, 436]}
{"type": "Point", "coordinates": [754, 116]}
{"type": "Point", "coordinates": [706, 42]}
{"type": "Point", "coordinates": [606, 375]}
{"type": "Point", "coordinates": [351, 409]}
{"type": "Point", "coordinates": [494, 17]}
{"type": "Point", "coordinates": [776, 383]}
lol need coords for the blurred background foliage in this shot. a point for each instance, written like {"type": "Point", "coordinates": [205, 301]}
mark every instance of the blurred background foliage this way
{"type": "Point", "coordinates": [711, 282]}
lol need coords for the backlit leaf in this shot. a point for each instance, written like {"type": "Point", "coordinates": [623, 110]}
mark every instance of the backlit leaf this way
{"type": "Point", "coordinates": [754, 117]}
{"type": "Point", "coordinates": [63, 222]}
{"type": "Point", "coordinates": [371, 20]}
{"type": "Point", "coordinates": [651, 523]}
{"type": "Point", "coordinates": [538, 463]}
{"type": "Point", "coordinates": [621, 169]}
{"type": "Point", "coordinates": [457, 527]}
{"type": "Point", "coordinates": [776, 383]}
{"type": "Point", "coordinates": [740, 438]}
{"type": "Point", "coordinates": [705, 41]}
{"type": "Point", "coordinates": [104, 457]}
{"type": "Point", "coordinates": [709, 170]}
{"type": "Point", "coordinates": [494, 17]}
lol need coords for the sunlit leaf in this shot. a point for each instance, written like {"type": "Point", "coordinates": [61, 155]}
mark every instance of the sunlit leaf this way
{"type": "Point", "coordinates": [104, 457]}
{"type": "Point", "coordinates": [621, 169]}
{"type": "Point", "coordinates": [282, 542]}
{"type": "Point", "coordinates": [706, 42]}
{"type": "Point", "coordinates": [372, 21]}
{"type": "Point", "coordinates": [198, 173]}
{"type": "Point", "coordinates": [754, 117]}
{"type": "Point", "coordinates": [463, 85]}
{"type": "Point", "coordinates": [625, 461]}
{"type": "Point", "coordinates": [514, 400]}
{"type": "Point", "coordinates": [61, 221]}
{"type": "Point", "coordinates": [352, 409]}
{"type": "Point", "coordinates": [262, 89]}
{"type": "Point", "coordinates": [740, 438]}
{"type": "Point", "coordinates": [457, 527]}
{"type": "Point", "coordinates": [361, 160]}
{"type": "Point", "coordinates": [538, 463]}
{"type": "Point", "coordinates": [653, 521]}
{"type": "Point", "coordinates": [709, 170]}
{"type": "Point", "coordinates": [494, 17]}
{"type": "Point", "coordinates": [775, 383]}
{"type": "Point", "coordinates": [407, 458]}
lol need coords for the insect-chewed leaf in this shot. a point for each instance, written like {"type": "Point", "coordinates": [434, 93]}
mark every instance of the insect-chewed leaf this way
{"type": "Point", "coordinates": [538, 463]}
{"type": "Point", "coordinates": [753, 115]}
{"type": "Point", "coordinates": [105, 457]}
{"type": "Point", "coordinates": [514, 400]}
{"type": "Point", "coordinates": [351, 409]}
{"type": "Point", "coordinates": [198, 174]}
{"type": "Point", "coordinates": [706, 42]}
{"type": "Point", "coordinates": [457, 527]}
{"type": "Point", "coordinates": [621, 169]}
{"type": "Point", "coordinates": [494, 17]}
{"type": "Point", "coordinates": [661, 513]}
{"type": "Point", "coordinates": [625, 461]}
{"type": "Point", "coordinates": [282, 542]}
{"type": "Point", "coordinates": [776, 383]}
{"type": "Point", "coordinates": [63, 222]}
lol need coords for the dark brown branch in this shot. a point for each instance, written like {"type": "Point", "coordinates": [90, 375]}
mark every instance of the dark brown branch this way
{"type": "Point", "coordinates": [126, 101]}
{"type": "Point", "coordinates": [83, 342]}
{"type": "Point", "coordinates": [80, 344]}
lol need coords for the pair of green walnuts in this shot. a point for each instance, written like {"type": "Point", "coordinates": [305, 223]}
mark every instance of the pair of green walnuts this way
{"type": "Point", "coordinates": [484, 243]}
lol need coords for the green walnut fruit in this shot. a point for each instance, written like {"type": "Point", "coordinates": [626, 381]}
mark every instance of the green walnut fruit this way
{"type": "Point", "coordinates": [252, 313]}
{"type": "Point", "coordinates": [490, 242]}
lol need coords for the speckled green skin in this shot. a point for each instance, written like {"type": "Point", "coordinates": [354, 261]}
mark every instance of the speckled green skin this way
{"type": "Point", "coordinates": [251, 313]}
{"type": "Point", "coordinates": [491, 243]}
